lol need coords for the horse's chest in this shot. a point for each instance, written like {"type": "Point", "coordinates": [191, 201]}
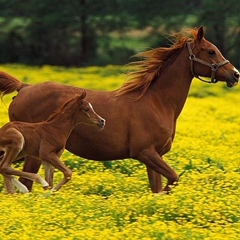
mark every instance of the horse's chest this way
{"type": "Point", "coordinates": [163, 137]}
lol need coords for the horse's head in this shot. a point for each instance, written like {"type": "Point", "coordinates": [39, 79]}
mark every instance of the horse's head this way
{"type": "Point", "coordinates": [208, 61]}
{"type": "Point", "coordinates": [87, 114]}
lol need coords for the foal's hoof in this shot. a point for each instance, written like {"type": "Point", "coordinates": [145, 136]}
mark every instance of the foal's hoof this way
{"type": "Point", "coordinates": [23, 190]}
{"type": "Point", "coordinates": [53, 190]}
{"type": "Point", "coordinates": [47, 187]}
{"type": "Point", "coordinates": [10, 192]}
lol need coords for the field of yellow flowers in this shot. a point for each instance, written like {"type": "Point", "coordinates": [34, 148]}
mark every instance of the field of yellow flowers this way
{"type": "Point", "coordinates": [112, 200]}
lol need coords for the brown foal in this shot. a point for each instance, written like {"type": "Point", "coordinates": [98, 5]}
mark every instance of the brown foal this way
{"type": "Point", "coordinates": [45, 141]}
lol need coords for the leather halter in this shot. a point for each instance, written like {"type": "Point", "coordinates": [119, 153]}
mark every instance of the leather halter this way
{"type": "Point", "coordinates": [214, 66]}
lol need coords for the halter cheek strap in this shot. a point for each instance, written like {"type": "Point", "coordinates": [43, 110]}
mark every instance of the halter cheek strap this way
{"type": "Point", "coordinates": [214, 66]}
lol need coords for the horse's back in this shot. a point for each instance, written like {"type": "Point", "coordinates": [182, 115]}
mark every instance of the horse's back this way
{"type": "Point", "coordinates": [36, 103]}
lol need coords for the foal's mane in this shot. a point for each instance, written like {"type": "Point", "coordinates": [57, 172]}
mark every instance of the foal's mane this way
{"type": "Point", "coordinates": [67, 105]}
{"type": "Point", "coordinates": [151, 63]}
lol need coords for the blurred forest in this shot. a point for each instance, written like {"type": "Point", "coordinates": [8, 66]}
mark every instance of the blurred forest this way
{"type": "Point", "coordinates": [101, 32]}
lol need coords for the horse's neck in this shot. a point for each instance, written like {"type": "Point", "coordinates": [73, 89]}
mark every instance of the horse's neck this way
{"type": "Point", "coordinates": [173, 85]}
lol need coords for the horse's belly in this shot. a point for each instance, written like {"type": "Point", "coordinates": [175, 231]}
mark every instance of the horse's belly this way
{"type": "Point", "coordinates": [92, 144]}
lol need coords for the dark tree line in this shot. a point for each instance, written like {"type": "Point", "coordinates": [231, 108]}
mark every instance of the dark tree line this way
{"type": "Point", "coordinates": [88, 32]}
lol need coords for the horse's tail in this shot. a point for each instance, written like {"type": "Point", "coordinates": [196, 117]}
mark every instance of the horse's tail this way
{"type": "Point", "coordinates": [9, 84]}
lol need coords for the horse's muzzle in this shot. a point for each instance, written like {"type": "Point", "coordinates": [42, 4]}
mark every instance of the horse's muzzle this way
{"type": "Point", "coordinates": [101, 123]}
{"type": "Point", "coordinates": [234, 81]}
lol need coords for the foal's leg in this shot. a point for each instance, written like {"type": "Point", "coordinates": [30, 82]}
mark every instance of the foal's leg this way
{"type": "Point", "coordinates": [6, 179]}
{"type": "Point", "coordinates": [31, 176]}
{"type": "Point", "coordinates": [49, 172]}
{"type": "Point", "coordinates": [12, 151]}
{"type": "Point", "coordinates": [6, 169]}
{"type": "Point", "coordinates": [154, 161]}
{"type": "Point", "coordinates": [30, 165]}
{"type": "Point", "coordinates": [8, 184]}
{"type": "Point", "coordinates": [22, 188]}
{"type": "Point", "coordinates": [54, 160]}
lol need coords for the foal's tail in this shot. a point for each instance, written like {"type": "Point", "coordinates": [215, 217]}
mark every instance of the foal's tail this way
{"type": "Point", "coordinates": [9, 84]}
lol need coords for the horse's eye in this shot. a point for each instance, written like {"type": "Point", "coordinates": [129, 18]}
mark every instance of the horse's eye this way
{"type": "Point", "coordinates": [211, 52]}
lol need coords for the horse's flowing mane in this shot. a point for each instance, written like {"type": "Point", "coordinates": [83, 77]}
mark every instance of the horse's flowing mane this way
{"type": "Point", "coordinates": [151, 63]}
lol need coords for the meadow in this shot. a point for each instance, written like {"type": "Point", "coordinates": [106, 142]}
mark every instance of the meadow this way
{"type": "Point", "coordinates": [112, 200]}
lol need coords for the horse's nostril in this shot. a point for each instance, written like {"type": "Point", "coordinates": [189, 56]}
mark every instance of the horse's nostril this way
{"type": "Point", "coordinates": [236, 75]}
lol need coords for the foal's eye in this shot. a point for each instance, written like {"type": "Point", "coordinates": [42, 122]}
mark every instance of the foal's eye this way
{"type": "Point", "coordinates": [211, 52]}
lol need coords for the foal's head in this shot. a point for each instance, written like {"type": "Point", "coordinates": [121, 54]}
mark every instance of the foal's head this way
{"type": "Point", "coordinates": [86, 114]}
{"type": "Point", "coordinates": [79, 111]}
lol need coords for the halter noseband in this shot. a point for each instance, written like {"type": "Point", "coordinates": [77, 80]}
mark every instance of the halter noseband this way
{"type": "Point", "coordinates": [214, 66]}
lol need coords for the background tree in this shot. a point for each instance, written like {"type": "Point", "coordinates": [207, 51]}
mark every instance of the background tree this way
{"type": "Point", "coordinates": [222, 20]}
{"type": "Point", "coordinates": [88, 32]}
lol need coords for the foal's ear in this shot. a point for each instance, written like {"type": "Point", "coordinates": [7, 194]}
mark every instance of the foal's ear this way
{"type": "Point", "coordinates": [200, 33]}
{"type": "Point", "coordinates": [83, 95]}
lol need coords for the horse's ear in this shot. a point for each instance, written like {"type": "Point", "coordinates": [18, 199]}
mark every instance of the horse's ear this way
{"type": "Point", "coordinates": [83, 95]}
{"type": "Point", "coordinates": [200, 33]}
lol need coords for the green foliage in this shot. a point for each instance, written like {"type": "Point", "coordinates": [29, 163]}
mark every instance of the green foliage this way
{"type": "Point", "coordinates": [92, 32]}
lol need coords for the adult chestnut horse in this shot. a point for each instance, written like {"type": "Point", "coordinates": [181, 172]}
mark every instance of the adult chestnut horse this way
{"type": "Point", "coordinates": [141, 115]}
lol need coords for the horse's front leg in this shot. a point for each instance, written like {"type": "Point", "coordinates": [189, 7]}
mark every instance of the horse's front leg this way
{"type": "Point", "coordinates": [31, 165]}
{"type": "Point", "coordinates": [154, 161]}
{"type": "Point", "coordinates": [155, 180]}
